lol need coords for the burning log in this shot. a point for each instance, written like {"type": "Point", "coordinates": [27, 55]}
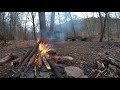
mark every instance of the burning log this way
{"type": "Point", "coordinates": [46, 63]}
{"type": "Point", "coordinates": [39, 59]}
{"type": "Point", "coordinates": [7, 59]}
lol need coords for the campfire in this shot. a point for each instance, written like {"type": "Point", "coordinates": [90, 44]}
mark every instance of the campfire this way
{"type": "Point", "coordinates": [42, 55]}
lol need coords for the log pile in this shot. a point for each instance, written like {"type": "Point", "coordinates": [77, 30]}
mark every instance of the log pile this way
{"type": "Point", "coordinates": [106, 66]}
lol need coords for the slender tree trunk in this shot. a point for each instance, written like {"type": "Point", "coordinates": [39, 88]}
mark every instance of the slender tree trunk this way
{"type": "Point", "coordinates": [25, 37]}
{"type": "Point", "coordinates": [34, 26]}
{"type": "Point", "coordinates": [52, 24]}
{"type": "Point", "coordinates": [117, 34]}
{"type": "Point", "coordinates": [60, 25]}
{"type": "Point", "coordinates": [52, 21]}
{"type": "Point", "coordinates": [103, 26]}
{"type": "Point", "coordinates": [59, 21]}
{"type": "Point", "coordinates": [73, 28]}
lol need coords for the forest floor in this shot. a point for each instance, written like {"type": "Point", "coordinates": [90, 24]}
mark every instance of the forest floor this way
{"type": "Point", "coordinates": [84, 53]}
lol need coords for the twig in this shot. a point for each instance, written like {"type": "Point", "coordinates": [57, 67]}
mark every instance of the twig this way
{"type": "Point", "coordinates": [100, 72]}
{"type": "Point", "coordinates": [14, 71]}
{"type": "Point", "coordinates": [35, 73]}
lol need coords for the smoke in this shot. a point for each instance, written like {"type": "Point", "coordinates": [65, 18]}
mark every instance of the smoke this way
{"type": "Point", "coordinates": [62, 31]}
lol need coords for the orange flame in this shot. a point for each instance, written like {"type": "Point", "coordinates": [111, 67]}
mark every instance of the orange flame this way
{"type": "Point", "coordinates": [43, 50]}
{"type": "Point", "coordinates": [36, 59]}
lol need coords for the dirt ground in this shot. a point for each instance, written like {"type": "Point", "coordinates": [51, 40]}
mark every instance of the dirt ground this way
{"type": "Point", "coordinates": [84, 53]}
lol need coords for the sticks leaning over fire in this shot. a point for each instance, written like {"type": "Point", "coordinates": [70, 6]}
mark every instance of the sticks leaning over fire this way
{"type": "Point", "coordinates": [42, 59]}
{"type": "Point", "coordinates": [27, 58]}
{"type": "Point", "coordinates": [31, 54]}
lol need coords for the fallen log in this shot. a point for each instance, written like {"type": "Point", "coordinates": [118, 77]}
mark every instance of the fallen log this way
{"type": "Point", "coordinates": [7, 59]}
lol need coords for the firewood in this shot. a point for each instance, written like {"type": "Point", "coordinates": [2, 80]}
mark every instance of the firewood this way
{"type": "Point", "coordinates": [31, 60]}
{"type": "Point", "coordinates": [26, 55]}
{"type": "Point", "coordinates": [7, 59]}
{"type": "Point", "coordinates": [111, 61]}
{"type": "Point", "coordinates": [46, 63]}
{"type": "Point", "coordinates": [26, 59]}
{"type": "Point", "coordinates": [30, 63]}
{"type": "Point", "coordinates": [31, 54]}
{"type": "Point", "coordinates": [55, 69]}
{"type": "Point", "coordinates": [39, 59]}
{"type": "Point", "coordinates": [58, 58]}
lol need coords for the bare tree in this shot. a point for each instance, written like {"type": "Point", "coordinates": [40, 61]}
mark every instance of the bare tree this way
{"type": "Point", "coordinates": [52, 21]}
{"type": "Point", "coordinates": [73, 28]}
{"type": "Point", "coordinates": [59, 20]}
{"type": "Point", "coordinates": [33, 22]}
{"type": "Point", "coordinates": [103, 25]}
{"type": "Point", "coordinates": [25, 37]}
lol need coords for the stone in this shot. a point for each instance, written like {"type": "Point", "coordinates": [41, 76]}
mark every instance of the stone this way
{"type": "Point", "coordinates": [112, 69]}
{"type": "Point", "coordinates": [84, 76]}
{"type": "Point", "coordinates": [75, 72]}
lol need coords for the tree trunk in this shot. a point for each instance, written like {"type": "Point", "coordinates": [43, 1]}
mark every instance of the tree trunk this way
{"type": "Point", "coordinates": [52, 24]}
{"type": "Point", "coordinates": [73, 28]}
{"type": "Point", "coordinates": [103, 25]}
{"type": "Point", "coordinates": [34, 26]}
{"type": "Point", "coordinates": [52, 21]}
{"type": "Point", "coordinates": [42, 25]}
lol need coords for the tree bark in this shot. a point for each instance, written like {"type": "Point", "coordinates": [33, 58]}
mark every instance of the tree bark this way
{"type": "Point", "coordinates": [52, 21]}
{"type": "Point", "coordinates": [103, 26]}
{"type": "Point", "coordinates": [33, 26]}
{"type": "Point", "coordinates": [42, 25]}
{"type": "Point", "coordinates": [73, 28]}
{"type": "Point", "coordinates": [52, 24]}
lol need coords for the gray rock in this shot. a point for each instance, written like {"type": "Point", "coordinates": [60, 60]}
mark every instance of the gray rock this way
{"type": "Point", "coordinates": [74, 72]}
{"type": "Point", "coordinates": [84, 76]}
